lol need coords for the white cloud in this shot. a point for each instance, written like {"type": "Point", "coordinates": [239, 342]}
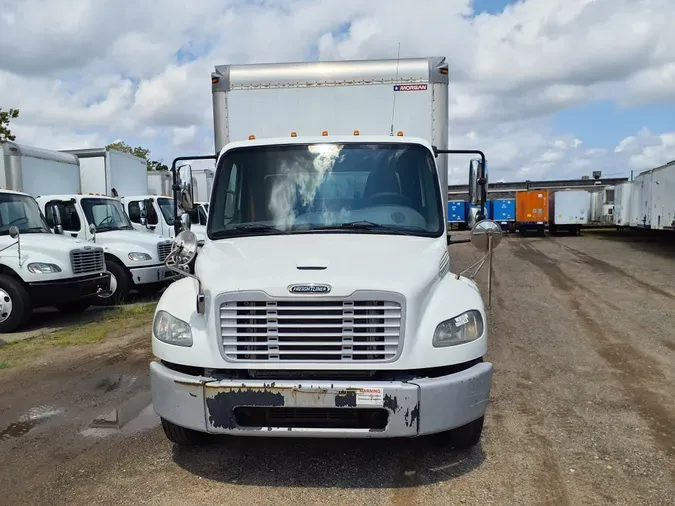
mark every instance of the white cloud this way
{"type": "Point", "coordinates": [86, 72]}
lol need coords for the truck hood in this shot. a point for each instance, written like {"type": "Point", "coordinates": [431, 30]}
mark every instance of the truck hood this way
{"type": "Point", "coordinates": [122, 242]}
{"type": "Point", "coordinates": [46, 243]}
{"type": "Point", "coordinates": [346, 262]}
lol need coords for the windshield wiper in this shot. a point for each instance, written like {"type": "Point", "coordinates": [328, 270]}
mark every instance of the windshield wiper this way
{"type": "Point", "coordinates": [367, 225]}
{"type": "Point", "coordinates": [253, 227]}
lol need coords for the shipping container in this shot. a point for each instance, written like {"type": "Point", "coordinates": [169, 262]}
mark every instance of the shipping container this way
{"type": "Point", "coordinates": [503, 211]}
{"type": "Point", "coordinates": [569, 210]}
{"type": "Point", "coordinates": [642, 200]}
{"type": "Point", "coordinates": [457, 211]}
{"type": "Point", "coordinates": [663, 197]}
{"type": "Point", "coordinates": [532, 210]}
{"type": "Point", "coordinates": [622, 204]}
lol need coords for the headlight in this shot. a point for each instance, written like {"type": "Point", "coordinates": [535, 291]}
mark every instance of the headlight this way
{"type": "Point", "coordinates": [171, 330]}
{"type": "Point", "coordinates": [137, 256]}
{"type": "Point", "coordinates": [462, 329]}
{"type": "Point", "coordinates": [40, 268]}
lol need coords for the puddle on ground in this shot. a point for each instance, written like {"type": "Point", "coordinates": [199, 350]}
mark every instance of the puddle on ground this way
{"type": "Point", "coordinates": [146, 419]}
{"type": "Point", "coordinates": [115, 381]}
{"type": "Point", "coordinates": [28, 421]}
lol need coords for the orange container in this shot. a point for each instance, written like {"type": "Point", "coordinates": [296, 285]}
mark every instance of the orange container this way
{"type": "Point", "coordinates": [532, 207]}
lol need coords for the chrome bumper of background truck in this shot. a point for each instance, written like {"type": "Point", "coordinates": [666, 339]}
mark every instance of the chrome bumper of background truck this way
{"type": "Point", "coordinates": [416, 407]}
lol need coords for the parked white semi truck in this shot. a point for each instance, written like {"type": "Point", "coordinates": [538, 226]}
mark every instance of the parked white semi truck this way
{"type": "Point", "coordinates": [322, 303]}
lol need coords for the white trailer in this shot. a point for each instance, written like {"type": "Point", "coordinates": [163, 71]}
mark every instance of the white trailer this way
{"type": "Point", "coordinates": [623, 204]}
{"type": "Point", "coordinates": [569, 210]}
{"type": "Point", "coordinates": [37, 171]}
{"type": "Point", "coordinates": [202, 182]}
{"type": "Point", "coordinates": [160, 182]}
{"type": "Point", "coordinates": [330, 177]}
{"type": "Point", "coordinates": [642, 200]}
{"type": "Point", "coordinates": [663, 197]}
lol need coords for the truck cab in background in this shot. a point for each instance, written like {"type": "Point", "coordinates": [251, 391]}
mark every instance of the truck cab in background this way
{"type": "Point", "coordinates": [155, 214]}
{"type": "Point", "coordinates": [134, 259]}
{"type": "Point", "coordinates": [38, 268]}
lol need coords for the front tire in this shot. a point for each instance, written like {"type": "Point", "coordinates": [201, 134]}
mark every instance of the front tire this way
{"type": "Point", "coordinates": [181, 435]}
{"type": "Point", "coordinates": [120, 284]}
{"type": "Point", "coordinates": [15, 306]}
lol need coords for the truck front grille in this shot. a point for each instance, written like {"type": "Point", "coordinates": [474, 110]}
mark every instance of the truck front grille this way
{"type": "Point", "coordinates": [304, 330]}
{"type": "Point", "coordinates": [87, 261]}
{"type": "Point", "coordinates": [163, 250]}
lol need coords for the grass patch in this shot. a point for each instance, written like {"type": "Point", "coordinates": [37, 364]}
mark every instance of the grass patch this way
{"type": "Point", "coordinates": [88, 332]}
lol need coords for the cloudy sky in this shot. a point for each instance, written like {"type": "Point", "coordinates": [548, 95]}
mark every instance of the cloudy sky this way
{"type": "Point", "coordinates": [547, 88]}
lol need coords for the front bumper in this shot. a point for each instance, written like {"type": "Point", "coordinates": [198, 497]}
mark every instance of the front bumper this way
{"type": "Point", "coordinates": [151, 274]}
{"type": "Point", "coordinates": [412, 408]}
{"type": "Point", "coordinates": [63, 291]}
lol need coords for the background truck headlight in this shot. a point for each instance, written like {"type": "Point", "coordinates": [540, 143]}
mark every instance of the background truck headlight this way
{"type": "Point", "coordinates": [171, 330]}
{"type": "Point", "coordinates": [42, 268]}
{"type": "Point", "coordinates": [462, 329]}
{"type": "Point", "coordinates": [137, 256]}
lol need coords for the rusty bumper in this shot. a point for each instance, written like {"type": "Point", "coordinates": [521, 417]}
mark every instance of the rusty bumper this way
{"type": "Point", "coordinates": [410, 408]}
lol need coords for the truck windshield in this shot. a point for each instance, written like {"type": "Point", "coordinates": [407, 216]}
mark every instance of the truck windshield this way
{"type": "Point", "coordinates": [166, 206]}
{"type": "Point", "coordinates": [23, 212]}
{"type": "Point", "coordinates": [105, 214]}
{"type": "Point", "coordinates": [387, 188]}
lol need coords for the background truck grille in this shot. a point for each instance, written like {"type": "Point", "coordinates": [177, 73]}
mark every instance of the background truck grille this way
{"type": "Point", "coordinates": [163, 250]}
{"type": "Point", "coordinates": [86, 261]}
{"type": "Point", "coordinates": [311, 330]}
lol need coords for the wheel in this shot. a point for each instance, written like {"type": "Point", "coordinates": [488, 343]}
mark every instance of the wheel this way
{"type": "Point", "coordinates": [120, 285]}
{"type": "Point", "coordinates": [181, 435]}
{"type": "Point", "coordinates": [15, 306]}
{"type": "Point", "coordinates": [74, 307]}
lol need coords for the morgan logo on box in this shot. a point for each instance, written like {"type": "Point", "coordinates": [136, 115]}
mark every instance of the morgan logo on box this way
{"type": "Point", "coordinates": [410, 87]}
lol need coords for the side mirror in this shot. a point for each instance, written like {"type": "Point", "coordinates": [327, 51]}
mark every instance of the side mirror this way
{"type": "Point", "coordinates": [186, 221]}
{"type": "Point", "coordinates": [230, 207]}
{"type": "Point", "coordinates": [142, 206]}
{"type": "Point", "coordinates": [185, 194]}
{"type": "Point", "coordinates": [185, 247]}
{"type": "Point", "coordinates": [92, 231]}
{"type": "Point", "coordinates": [55, 215]}
{"type": "Point", "coordinates": [486, 235]}
{"type": "Point", "coordinates": [14, 232]}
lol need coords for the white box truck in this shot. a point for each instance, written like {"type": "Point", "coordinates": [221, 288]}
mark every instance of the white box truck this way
{"type": "Point", "coordinates": [202, 182]}
{"type": "Point", "coordinates": [160, 182]}
{"type": "Point", "coordinates": [322, 301]}
{"type": "Point", "coordinates": [569, 210]}
{"type": "Point", "coordinates": [623, 204]}
{"type": "Point", "coordinates": [663, 197]}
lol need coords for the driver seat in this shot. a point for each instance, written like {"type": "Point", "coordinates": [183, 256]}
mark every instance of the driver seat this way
{"type": "Point", "coordinates": [381, 180]}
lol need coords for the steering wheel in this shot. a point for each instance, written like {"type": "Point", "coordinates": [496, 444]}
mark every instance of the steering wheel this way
{"type": "Point", "coordinates": [105, 220]}
{"type": "Point", "coordinates": [387, 198]}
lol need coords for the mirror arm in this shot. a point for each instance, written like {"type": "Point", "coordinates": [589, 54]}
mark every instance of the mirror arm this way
{"type": "Point", "coordinates": [171, 265]}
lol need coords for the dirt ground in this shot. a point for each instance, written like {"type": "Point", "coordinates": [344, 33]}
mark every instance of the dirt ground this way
{"type": "Point", "coordinates": [582, 337]}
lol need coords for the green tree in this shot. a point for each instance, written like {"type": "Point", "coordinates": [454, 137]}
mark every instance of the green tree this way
{"type": "Point", "coordinates": [5, 118]}
{"type": "Point", "coordinates": [139, 152]}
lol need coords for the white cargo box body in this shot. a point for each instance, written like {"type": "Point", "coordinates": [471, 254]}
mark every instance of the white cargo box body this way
{"type": "Point", "coordinates": [160, 182]}
{"type": "Point", "coordinates": [202, 182]}
{"type": "Point", "coordinates": [663, 197]}
{"type": "Point", "coordinates": [103, 170]}
{"type": "Point", "coordinates": [569, 207]}
{"type": "Point", "coordinates": [38, 171]}
{"type": "Point", "coordinates": [642, 200]}
{"type": "Point", "coordinates": [339, 98]}
{"type": "Point", "coordinates": [622, 204]}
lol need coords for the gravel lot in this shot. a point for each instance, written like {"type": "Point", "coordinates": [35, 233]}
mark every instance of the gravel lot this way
{"type": "Point", "coordinates": [582, 409]}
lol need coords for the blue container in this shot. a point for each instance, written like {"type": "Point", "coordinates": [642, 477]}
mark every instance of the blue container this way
{"type": "Point", "coordinates": [503, 210]}
{"type": "Point", "coordinates": [456, 211]}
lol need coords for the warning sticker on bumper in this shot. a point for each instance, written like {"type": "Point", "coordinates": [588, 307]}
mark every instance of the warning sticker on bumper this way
{"type": "Point", "coordinates": [370, 397]}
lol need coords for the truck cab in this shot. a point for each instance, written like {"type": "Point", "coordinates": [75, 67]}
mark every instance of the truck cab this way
{"type": "Point", "coordinates": [39, 268]}
{"type": "Point", "coordinates": [134, 259]}
{"type": "Point", "coordinates": [322, 302]}
{"type": "Point", "coordinates": [155, 214]}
